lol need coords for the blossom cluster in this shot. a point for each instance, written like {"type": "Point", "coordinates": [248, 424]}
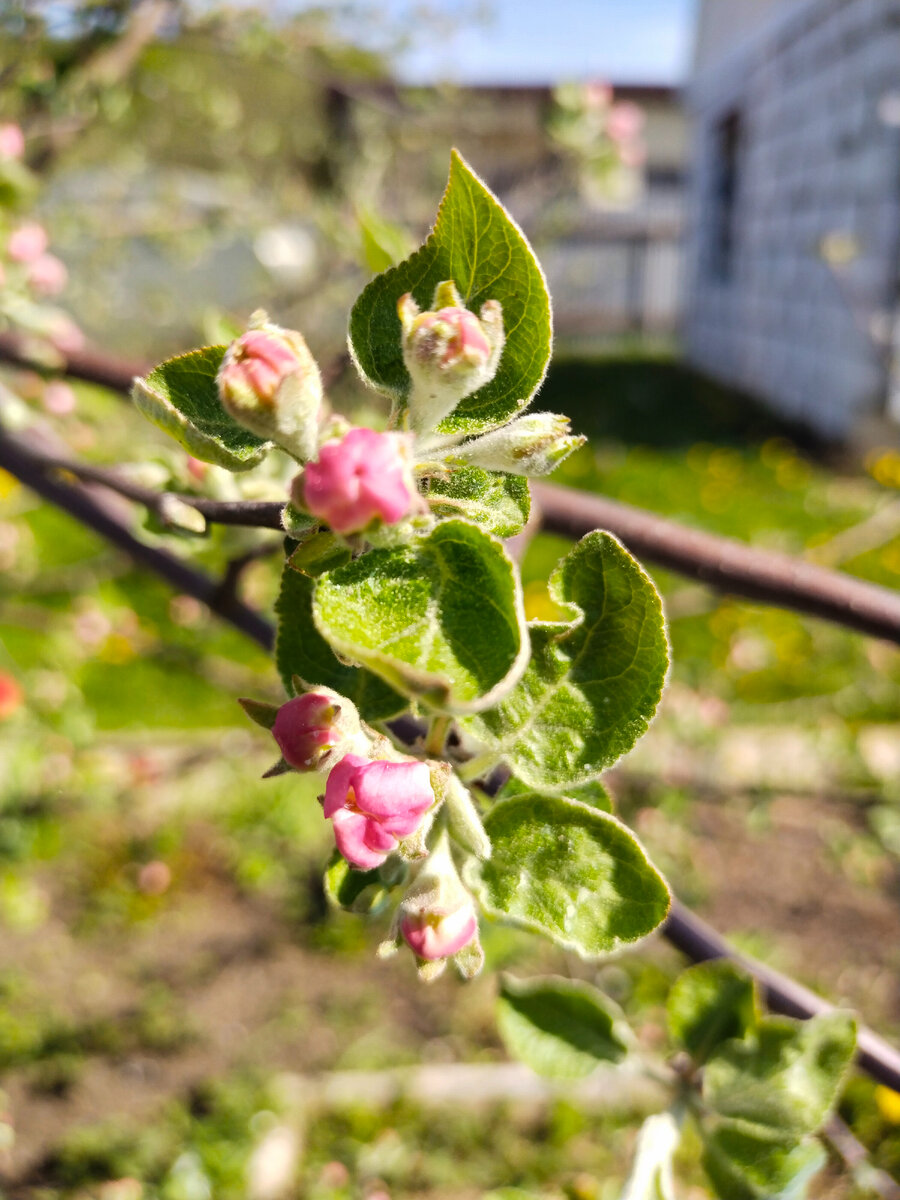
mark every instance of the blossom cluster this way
{"type": "Point", "coordinates": [384, 807]}
{"type": "Point", "coordinates": [30, 274]}
{"type": "Point", "coordinates": [391, 812]}
{"type": "Point", "coordinates": [357, 481]}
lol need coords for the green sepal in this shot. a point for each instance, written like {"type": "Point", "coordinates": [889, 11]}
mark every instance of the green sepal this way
{"type": "Point", "coordinates": [260, 711]}
{"type": "Point", "coordinates": [182, 398]}
{"type": "Point", "coordinates": [560, 1027]}
{"type": "Point", "coordinates": [476, 244]}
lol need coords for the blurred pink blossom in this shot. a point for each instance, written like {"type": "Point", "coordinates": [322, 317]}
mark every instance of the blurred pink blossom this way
{"type": "Point", "coordinates": [59, 399]}
{"type": "Point", "coordinates": [65, 335]}
{"type": "Point", "coordinates": [47, 275]}
{"type": "Point", "coordinates": [625, 121]}
{"type": "Point", "coordinates": [12, 141]}
{"type": "Point", "coordinates": [27, 243]}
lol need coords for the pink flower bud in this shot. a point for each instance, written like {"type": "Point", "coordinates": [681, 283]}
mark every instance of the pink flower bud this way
{"type": "Point", "coordinates": [257, 363]}
{"type": "Point", "coordinates": [27, 243]}
{"type": "Point", "coordinates": [270, 383]}
{"type": "Point", "coordinates": [449, 352]}
{"type": "Point", "coordinates": [374, 805]}
{"type": "Point", "coordinates": [314, 728]}
{"type": "Point", "coordinates": [47, 275]}
{"type": "Point", "coordinates": [438, 933]}
{"type": "Point", "coordinates": [12, 141]}
{"type": "Point", "coordinates": [364, 477]}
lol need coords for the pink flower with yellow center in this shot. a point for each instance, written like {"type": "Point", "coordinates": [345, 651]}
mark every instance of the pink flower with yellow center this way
{"type": "Point", "coordinates": [375, 805]}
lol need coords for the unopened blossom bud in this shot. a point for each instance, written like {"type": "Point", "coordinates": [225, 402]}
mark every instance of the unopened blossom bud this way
{"type": "Point", "coordinates": [12, 141]}
{"type": "Point", "coordinates": [449, 352]}
{"type": "Point", "coordinates": [316, 730]}
{"type": "Point", "coordinates": [373, 806]}
{"type": "Point", "coordinates": [47, 275]}
{"type": "Point", "coordinates": [270, 383]}
{"type": "Point", "coordinates": [27, 243]}
{"type": "Point", "coordinates": [531, 445]}
{"type": "Point", "coordinates": [363, 477]}
{"type": "Point", "coordinates": [437, 917]}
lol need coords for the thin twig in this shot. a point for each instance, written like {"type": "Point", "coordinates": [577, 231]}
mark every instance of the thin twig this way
{"type": "Point", "coordinates": [79, 504]}
{"type": "Point", "coordinates": [725, 564]}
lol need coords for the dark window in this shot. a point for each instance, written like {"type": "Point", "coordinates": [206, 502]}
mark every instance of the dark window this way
{"type": "Point", "coordinates": [728, 135]}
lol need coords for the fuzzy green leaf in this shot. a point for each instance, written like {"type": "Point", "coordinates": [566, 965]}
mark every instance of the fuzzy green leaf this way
{"type": "Point", "coordinates": [592, 793]}
{"type": "Point", "coordinates": [784, 1079]}
{"type": "Point", "coordinates": [742, 1166]}
{"type": "Point", "coordinates": [440, 618]}
{"type": "Point", "coordinates": [593, 683]}
{"type": "Point", "coordinates": [301, 650]}
{"type": "Point", "coordinates": [559, 1027]}
{"type": "Point", "coordinates": [570, 872]}
{"type": "Point", "coordinates": [476, 244]}
{"type": "Point", "coordinates": [708, 1005]}
{"type": "Point", "coordinates": [355, 891]}
{"type": "Point", "coordinates": [498, 503]}
{"type": "Point", "coordinates": [181, 397]}
{"type": "Point", "coordinates": [320, 553]}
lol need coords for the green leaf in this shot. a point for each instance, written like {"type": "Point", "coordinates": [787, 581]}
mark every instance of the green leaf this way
{"type": "Point", "coordinates": [301, 650]}
{"type": "Point", "coordinates": [181, 397]}
{"type": "Point", "coordinates": [355, 891]}
{"type": "Point", "coordinates": [440, 618]}
{"type": "Point", "coordinates": [559, 1027]}
{"type": "Point", "coordinates": [320, 553]}
{"type": "Point", "coordinates": [476, 244]}
{"type": "Point", "coordinates": [651, 1172]}
{"type": "Point", "coordinates": [784, 1079]}
{"type": "Point", "coordinates": [570, 872]}
{"type": "Point", "coordinates": [498, 503]}
{"type": "Point", "coordinates": [744, 1167]}
{"type": "Point", "coordinates": [708, 1005]}
{"type": "Point", "coordinates": [593, 683]}
{"type": "Point", "coordinates": [592, 793]}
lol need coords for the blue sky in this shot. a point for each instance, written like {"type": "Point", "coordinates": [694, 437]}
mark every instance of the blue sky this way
{"type": "Point", "coordinates": [542, 41]}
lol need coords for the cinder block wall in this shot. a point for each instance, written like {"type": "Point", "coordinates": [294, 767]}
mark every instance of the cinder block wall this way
{"type": "Point", "coordinates": [814, 156]}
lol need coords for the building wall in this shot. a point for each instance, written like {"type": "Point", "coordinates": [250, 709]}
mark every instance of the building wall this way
{"type": "Point", "coordinates": [791, 147]}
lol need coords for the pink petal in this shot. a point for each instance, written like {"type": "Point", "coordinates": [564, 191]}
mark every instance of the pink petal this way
{"type": "Point", "coordinates": [340, 780]}
{"type": "Point", "coordinates": [394, 790]}
{"type": "Point", "coordinates": [349, 834]}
